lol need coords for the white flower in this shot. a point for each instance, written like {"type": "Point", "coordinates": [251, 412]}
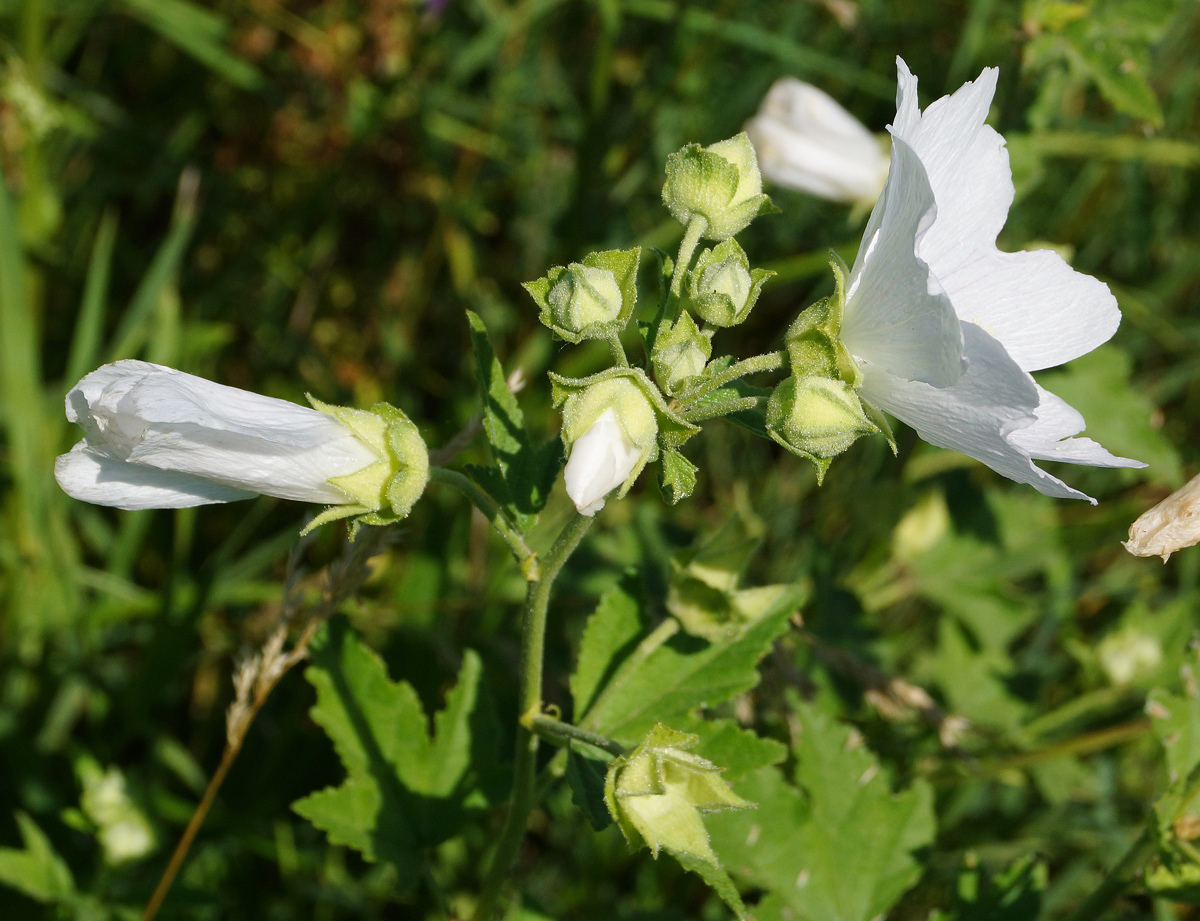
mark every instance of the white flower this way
{"type": "Point", "coordinates": [944, 325]}
{"type": "Point", "coordinates": [806, 141]}
{"type": "Point", "coordinates": [158, 438]}
{"type": "Point", "coordinates": [602, 458]}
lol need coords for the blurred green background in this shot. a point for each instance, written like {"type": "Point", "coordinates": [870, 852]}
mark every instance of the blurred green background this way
{"type": "Point", "coordinates": [292, 196]}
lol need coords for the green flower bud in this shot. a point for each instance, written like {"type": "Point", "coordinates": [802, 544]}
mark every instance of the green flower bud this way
{"type": "Point", "coordinates": [385, 491]}
{"type": "Point", "coordinates": [658, 792]}
{"type": "Point", "coordinates": [723, 288]}
{"type": "Point", "coordinates": [584, 295]}
{"type": "Point", "coordinates": [817, 418]}
{"type": "Point", "coordinates": [720, 184]}
{"type": "Point", "coordinates": [589, 300]}
{"type": "Point", "coordinates": [681, 351]}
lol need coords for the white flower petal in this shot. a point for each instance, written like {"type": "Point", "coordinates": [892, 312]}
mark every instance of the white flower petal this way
{"type": "Point", "coordinates": [1042, 311]}
{"type": "Point", "coordinates": [92, 476]}
{"type": "Point", "coordinates": [1049, 437]}
{"type": "Point", "coordinates": [155, 416]}
{"type": "Point", "coordinates": [897, 316]}
{"type": "Point", "coordinates": [979, 414]}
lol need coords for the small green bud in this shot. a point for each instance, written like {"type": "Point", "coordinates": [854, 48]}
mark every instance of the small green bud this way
{"type": "Point", "coordinates": [589, 300]}
{"type": "Point", "coordinates": [385, 491]}
{"type": "Point", "coordinates": [584, 295]}
{"type": "Point", "coordinates": [817, 418]}
{"type": "Point", "coordinates": [720, 184]}
{"type": "Point", "coordinates": [681, 351]}
{"type": "Point", "coordinates": [722, 287]}
{"type": "Point", "coordinates": [814, 340]}
{"type": "Point", "coordinates": [658, 792]}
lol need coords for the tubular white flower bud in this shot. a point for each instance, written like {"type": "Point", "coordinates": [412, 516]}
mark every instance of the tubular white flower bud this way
{"type": "Point", "coordinates": [806, 141]}
{"type": "Point", "coordinates": [159, 438]}
{"type": "Point", "coordinates": [601, 460]}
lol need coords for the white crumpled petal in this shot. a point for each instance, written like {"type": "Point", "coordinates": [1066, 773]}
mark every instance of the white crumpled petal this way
{"type": "Point", "coordinates": [1043, 311]}
{"type": "Point", "coordinates": [92, 476]}
{"type": "Point", "coordinates": [1171, 525]}
{"type": "Point", "coordinates": [601, 460]}
{"type": "Point", "coordinates": [806, 141]}
{"type": "Point", "coordinates": [143, 415]}
{"type": "Point", "coordinates": [897, 316]}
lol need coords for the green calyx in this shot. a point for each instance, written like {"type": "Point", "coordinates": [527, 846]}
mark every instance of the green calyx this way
{"type": "Point", "coordinates": [658, 792]}
{"type": "Point", "coordinates": [589, 300]}
{"type": "Point", "coordinates": [681, 351]}
{"type": "Point", "coordinates": [720, 183]}
{"type": "Point", "coordinates": [385, 491]}
{"type": "Point", "coordinates": [814, 340]}
{"type": "Point", "coordinates": [722, 287]}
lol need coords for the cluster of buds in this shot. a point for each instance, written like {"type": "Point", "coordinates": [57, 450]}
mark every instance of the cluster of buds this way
{"type": "Point", "coordinates": [816, 412]}
{"type": "Point", "coordinates": [616, 422]}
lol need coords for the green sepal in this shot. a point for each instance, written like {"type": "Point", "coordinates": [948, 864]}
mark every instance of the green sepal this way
{"type": "Point", "coordinates": [623, 264]}
{"type": "Point", "coordinates": [718, 271]}
{"type": "Point", "coordinates": [385, 491]}
{"type": "Point", "coordinates": [720, 184]}
{"type": "Point", "coordinates": [673, 429]}
{"type": "Point", "coordinates": [680, 354]}
{"type": "Point", "coordinates": [676, 477]}
{"type": "Point", "coordinates": [586, 776]}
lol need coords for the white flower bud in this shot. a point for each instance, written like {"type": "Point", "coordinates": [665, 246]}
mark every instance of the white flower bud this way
{"type": "Point", "coordinates": [806, 141]}
{"type": "Point", "coordinates": [1171, 525]}
{"type": "Point", "coordinates": [609, 429]}
{"type": "Point", "coordinates": [158, 438]}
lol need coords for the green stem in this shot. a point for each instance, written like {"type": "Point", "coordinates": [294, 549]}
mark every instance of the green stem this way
{"type": "Point", "coordinates": [771, 361]}
{"type": "Point", "coordinates": [691, 239]}
{"type": "Point", "coordinates": [526, 558]}
{"type": "Point", "coordinates": [559, 733]}
{"type": "Point", "coordinates": [533, 645]}
{"type": "Point", "coordinates": [618, 350]}
{"type": "Point", "coordinates": [724, 408]}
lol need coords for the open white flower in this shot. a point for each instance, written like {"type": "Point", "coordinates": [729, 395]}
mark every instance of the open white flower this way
{"type": "Point", "coordinates": [807, 142]}
{"type": "Point", "coordinates": [158, 438]}
{"type": "Point", "coordinates": [945, 326]}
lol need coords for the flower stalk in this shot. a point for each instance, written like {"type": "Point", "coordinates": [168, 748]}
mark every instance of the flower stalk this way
{"type": "Point", "coordinates": [533, 650]}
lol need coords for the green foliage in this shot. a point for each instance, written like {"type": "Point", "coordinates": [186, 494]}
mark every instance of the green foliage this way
{"type": "Point", "coordinates": [406, 788]}
{"type": "Point", "coordinates": [524, 472]}
{"type": "Point", "coordinates": [843, 850]}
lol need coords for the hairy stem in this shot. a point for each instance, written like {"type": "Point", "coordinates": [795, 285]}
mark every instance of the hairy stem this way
{"type": "Point", "coordinates": [691, 238]}
{"type": "Point", "coordinates": [557, 732]}
{"type": "Point", "coordinates": [533, 644]}
{"type": "Point", "coordinates": [618, 350]}
{"type": "Point", "coordinates": [526, 558]}
{"type": "Point", "coordinates": [771, 361]}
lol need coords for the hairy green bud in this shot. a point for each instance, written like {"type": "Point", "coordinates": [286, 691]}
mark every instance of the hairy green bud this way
{"type": "Point", "coordinates": [681, 351]}
{"type": "Point", "coordinates": [817, 418]}
{"type": "Point", "coordinates": [720, 184]}
{"type": "Point", "coordinates": [723, 288]}
{"type": "Point", "coordinates": [592, 299]}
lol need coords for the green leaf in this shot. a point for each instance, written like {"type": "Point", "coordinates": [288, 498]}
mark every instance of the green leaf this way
{"type": "Point", "coordinates": [586, 777]}
{"type": "Point", "coordinates": [524, 474]}
{"type": "Point", "coordinates": [676, 477]}
{"type": "Point", "coordinates": [1014, 894]}
{"type": "Point", "coordinates": [404, 789]}
{"type": "Point", "coordinates": [844, 853]}
{"type": "Point", "coordinates": [199, 32]}
{"type": "Point", "coordinates": [607, 637]}
{"type": "Point", "coordinates": [683, 672]}
{"type": "Point", "coordinates": [1175, 720]}
{"type": "Point", "coordinates": [739, 751]}
{"type": "Point", "coordinates": [36, 870]}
